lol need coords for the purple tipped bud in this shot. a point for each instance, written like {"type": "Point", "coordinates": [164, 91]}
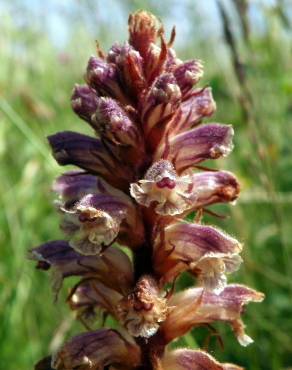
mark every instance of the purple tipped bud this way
{"type": "Point", "coordinates": [130, 66]}
{"type": "Point", "coordinates": [103, 77]}
{"type": "Point", "coordinates": [160, 104]}
{"type": "Point", "coordinates": [84, 102]}
{"type": "Point", "coordinates": [114, 124]}
{"type": "Point", "coordinates": [188, 74]}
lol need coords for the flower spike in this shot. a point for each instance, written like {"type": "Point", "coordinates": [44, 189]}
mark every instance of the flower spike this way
{"type": "Point", "coordinates": [126, 211]}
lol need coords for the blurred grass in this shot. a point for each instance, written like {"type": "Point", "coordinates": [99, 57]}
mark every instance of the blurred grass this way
{"type": "Point", "coordinates": [36, 79]}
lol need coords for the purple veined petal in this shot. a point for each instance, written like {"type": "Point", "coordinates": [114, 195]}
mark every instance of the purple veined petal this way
{"type": "Point", "coordinates": [113, 123]}
{"type": "Point", "coordinates": [144, 309]}
{"type": "Point", "coordinates": [214, 187]}
{"type": "Point", "coordinates": [194, 307]}
{"type": "Point", "coordinates": [187, 359]}
{"type": "Point", "coordinates": [90, 296]}
{"type": "Point", "coordinates": [161, 102]}
{"type": "Point", "coordinates": [113, 267]}
{"type": "Point", "coordinates": [84, 102]}
{"type": "Point", "coordinates": [73, 185]}
{"type": "Point", "coordinates": [188, 74]}
{"type": "Point", "coordinates": [90, 154]}
{"type": "Point", "coordinates": [205, 251]}
{"type": "Point", "coordinates": [97, 350]}
{"type": "Point", "coordinates": [130, 66]}
{"type": "Point", "coordinates": [104, 78]}
{"type": "Point", "coordinates": [144, 30]}
{"type": "Point", "coordinates": [196, 106]}
{"type": "Point", "coordinates": [188, 149]}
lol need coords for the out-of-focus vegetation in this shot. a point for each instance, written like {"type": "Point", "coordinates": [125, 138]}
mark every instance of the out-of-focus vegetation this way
{"type": "Point", "coordinates": [249, 67]}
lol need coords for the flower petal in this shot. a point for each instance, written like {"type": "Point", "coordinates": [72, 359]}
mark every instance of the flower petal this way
{"type": "Point", "coordinates": [112, 122]}
{"type": "Point", "coordinates": [186, 150]}
{"type": "Point", "coordinates": [203, 250]}
{"type": "Point", "coordinates": [104, 78]}
{"type": "Point", "coordinates": [187, 359]}
{"type": "Point", "coordinates": [198, 105]}
{"type": "Point", "coordinates": [96, 350]}
{"type": "Point", "coordinates": [113, 267]}
{"type": "Point", "coordinates": [196, 306]}
{"type": "Point", "coordinates": [130, 65]}
{"type": "Point", "coordinates": [89, 154]}
{"type": "Point", "coordinates": [90, 295]}
{"type": "Point", "coordinates": [159, 106]}
{"type": "Point", "coordinates": [188, 74]}
{"type": "Point", "coordinates": [84, 102]}
{"type": "Point", "coordinates": [214, 187]}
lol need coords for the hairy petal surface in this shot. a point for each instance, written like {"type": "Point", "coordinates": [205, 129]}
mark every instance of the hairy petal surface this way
{"type": "Point", "coordinates": [143, 309]}
{"type": "Point", "coordinates": [188, 149]}
{"type": "Point", "coordinates": [90, 297]}
{"type": "Point", "coordinates": [203, 250]}
{"type": "Point", "coordinates": [214, 187]}
{"type": "Point", "coordinates": [71, 148]}
{"type": "Point", "coordinates": [113, 267]}
{"type": "Point", "coordinates": [96, 350]}
{"type": "Point", "coordinates": [186, 359]}
{"type": "Point", "coordinates": [163, 188]}
{"type": "Point", "coordinates": [195, 306]}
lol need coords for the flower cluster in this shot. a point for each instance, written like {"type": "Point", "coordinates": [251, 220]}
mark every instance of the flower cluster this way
{"type": "Point", "coordinates": [137, 181]}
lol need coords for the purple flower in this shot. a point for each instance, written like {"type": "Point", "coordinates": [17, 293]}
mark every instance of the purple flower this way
{"type": "Point", "coordinates": [124, 211]}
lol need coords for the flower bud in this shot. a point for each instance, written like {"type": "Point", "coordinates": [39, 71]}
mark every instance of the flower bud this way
{"type": "Point", "coordinates": [188, 74]}
{"type": "Point", "coordinates": [144, 309]}
{"type": "Point", "coordinates": [161, 186]}
{"type": "Point", "coordinates": [200, 104]}
{"type": "Point", "coordinates": [103, 77]}
{"type": "Point", "coordinates": [113, 123]}
{"type": "Point", "coordinates": [130, 66]}
{"type": "Point", "coordinates": [84, 102]}
{"type": "Point", "coordinates": [161, 102]}
{"type": "Point", "coordinates": [144, 29]}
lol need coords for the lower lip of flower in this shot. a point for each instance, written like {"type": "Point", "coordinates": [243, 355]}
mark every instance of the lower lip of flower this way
{"type": "Point", "coordinates": [166, 182]}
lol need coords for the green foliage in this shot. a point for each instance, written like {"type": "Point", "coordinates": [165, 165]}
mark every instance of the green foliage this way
{"type": "Point", "coordinates": [35, 85]}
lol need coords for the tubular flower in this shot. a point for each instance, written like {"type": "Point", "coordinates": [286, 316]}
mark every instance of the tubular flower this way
{"type": "Point", "coordinates": [137, 181]}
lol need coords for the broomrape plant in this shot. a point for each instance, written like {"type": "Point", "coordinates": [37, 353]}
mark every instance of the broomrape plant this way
{"type": "Point", "coordinates": [138, 180]}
